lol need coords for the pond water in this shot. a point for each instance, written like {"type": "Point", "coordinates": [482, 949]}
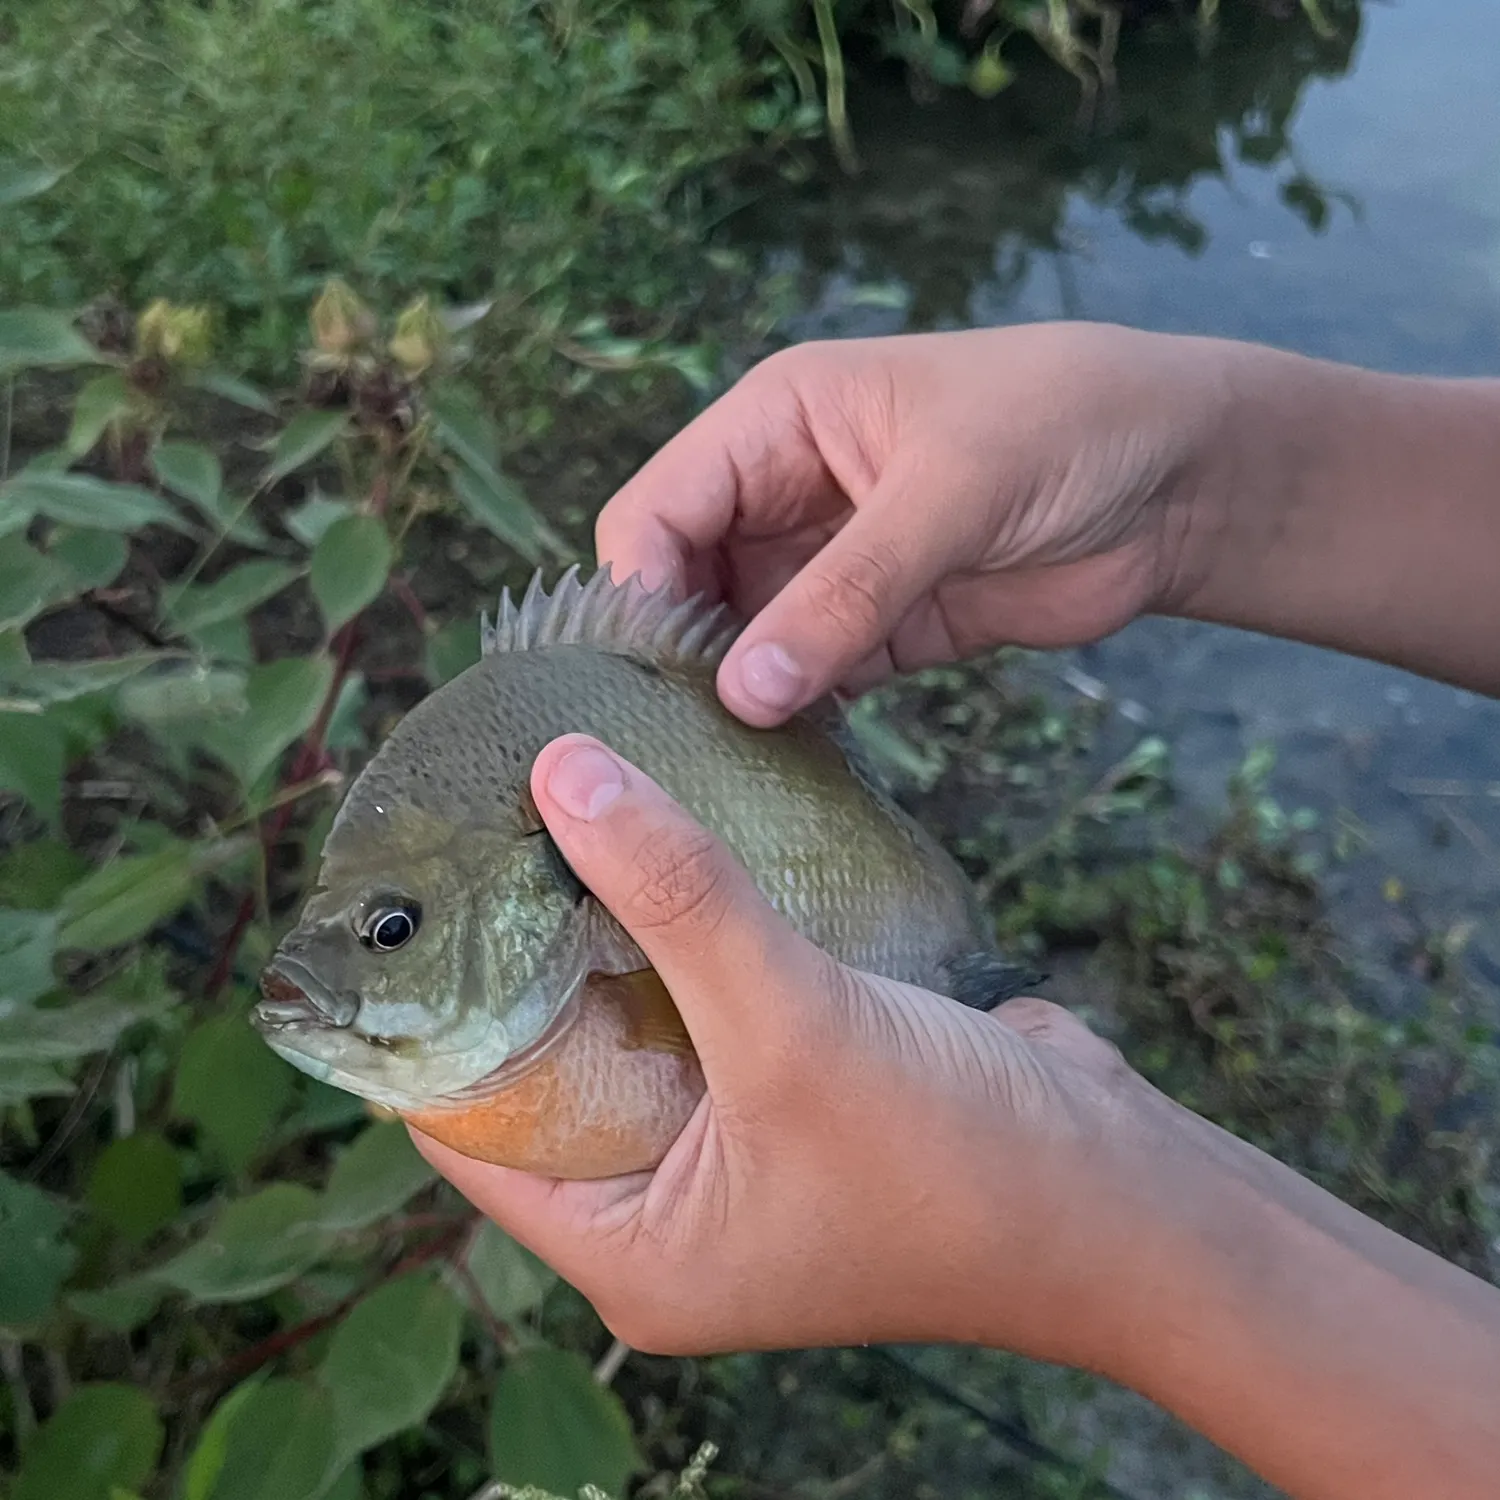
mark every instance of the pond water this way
{"type": "Point", "coordinates": [1339, 199]}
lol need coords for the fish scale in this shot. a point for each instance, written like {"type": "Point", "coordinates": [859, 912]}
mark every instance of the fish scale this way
{"type": "Point", "coordinates": [520, 1022]}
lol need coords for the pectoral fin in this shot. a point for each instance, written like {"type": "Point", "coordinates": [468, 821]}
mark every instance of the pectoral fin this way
{"type": "Point", "coordinates": [652, 1021]}
{"type": "Point", "coordinates": [984, 980]}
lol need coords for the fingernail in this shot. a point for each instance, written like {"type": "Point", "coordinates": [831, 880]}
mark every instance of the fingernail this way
{"type": "Point", "coordinates": [770, 676]}
{"type": "Point", "coordinates": [585, 781]}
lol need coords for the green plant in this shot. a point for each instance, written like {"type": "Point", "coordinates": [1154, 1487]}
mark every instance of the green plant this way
{"type": "Point", "coordinates": [556, 159]}
{"type": "Point", "coordinates": [217, 1278]}
{"type": "Point", "coordinates": [1208, 954]}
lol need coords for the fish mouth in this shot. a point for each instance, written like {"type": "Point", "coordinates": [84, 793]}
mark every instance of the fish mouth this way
{"type": "Point", "coordinates": [294, 999]}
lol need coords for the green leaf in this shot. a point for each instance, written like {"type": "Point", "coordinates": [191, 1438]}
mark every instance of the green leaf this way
{"type": "Point", "coordinates": [390, 1361]}
{"type": "Point", "coordinates": [232, 388]}
{"type": "Point", "coordinates": [60, 1033]}
{"type": "Point", "coordinates": [121, 1307]}
{"type": "Point", "coordinates": [195, 606]}
{"type": "Point", "coordinates": [206, 1462]}
{"type": "Point", "coordinates": [284, 698]}
{"type": "Point", "coordinates": [346, 730]}
{"type": "Point", "coordinates": [194, 472]}
{"type": "Point", "coordinates": [28, 940]}
{"type": "Point", "coordinates": [103, 400]}
{"type": "Point", "coordinates": [21, 1082]}
{"type": "Point", "coordinates": [374, 1176]}
{"type": "Point", "coordinates": [495, 501]}
{"type": "Point", "coordinates": [32, 756]}
{"type": "Point", "coordinates": [82, 500]}
{"type": "Point", "coordinates": [194, 694]}
{"type": "Point", "coordinates": [95, 557]}
{"type": "Point", "coordinates": [274, 1444]}
{"type": "Point", "coordinates": [136, 1185]}
{"type": "Point", "coordinates": [313, 517]}
{"type": "Point", "coordinates": [510, 1278]}
{"type": "Point", "coordinates": [35, 337]}
{"type": "Point", "coordinates": [255, 1244]}
{"type": "Point", "coordinates": [501, 507]}
{"type": "Point", "coordinates": [350, 1485]}
{"type": "Point", "coordinates": [452, 649]}
{"type": "Point", "coordinates": [51, 682]}
{"type": "Point", "coordinates": [349, 567]}
{"type": "Point", "coordinates": [20, 181]}
{"type": "Point", "coordinates": [463, 428]}
{"type": "Point", "coordinates": [127, 897]}
{"type": "Point", "coordinates": [101, 1438]}
{"type": "Point", "coordinates": [35, 1257]}
{"type": "Point", "coordinates": [37, 873]}
{"type": "Point", "coordinates": [232, 1086]}
{"type": "Point", "coordinates": [302, 440]}
{"type": "Point", "coordinates": [554, 1426]}
{"type": "Point", "coordinates": [228, 641]}
{"type": "Point", "coordinates": [30, 582]}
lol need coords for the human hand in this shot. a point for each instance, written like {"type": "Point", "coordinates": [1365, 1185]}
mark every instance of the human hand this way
{"type": "Point", "coordinates": [887, 504]}
{"type": "Point", "coordinates": [870, 1161]}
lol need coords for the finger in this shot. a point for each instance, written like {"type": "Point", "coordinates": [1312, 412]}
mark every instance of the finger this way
{"type": "Point", "coordinates": [748, 455]}
{"type": "Point", "coordinates": [1051, 1025]}
{"type": "Point", "coordinates": [563, 1222]}
{"type": "Point", "coordinates": [722, 950]}
{"type": "Point", "coordinates": [839, 610]}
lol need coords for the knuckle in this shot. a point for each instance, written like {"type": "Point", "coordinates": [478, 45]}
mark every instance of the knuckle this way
{"type": "Point", "coordinates": [1053, 1026]}
{"type": "Point", "coordinates": [682, 880]}
{"type": "Point", "coordinates": [853, 591]}
{"type": "Point", "coordinates": [1031, 1017]}
{"type": "Point", "coordinates": [786, 367]}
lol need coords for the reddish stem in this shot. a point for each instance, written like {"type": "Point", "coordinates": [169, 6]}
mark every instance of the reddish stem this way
{"type": "Point", "coordinates": [248, 1361]}
{"type": "Point", "coordinates": [403, 590]}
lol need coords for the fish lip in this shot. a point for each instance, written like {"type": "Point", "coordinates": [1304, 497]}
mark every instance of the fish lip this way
{"type": "Point", "coordinates": [312, 1005]}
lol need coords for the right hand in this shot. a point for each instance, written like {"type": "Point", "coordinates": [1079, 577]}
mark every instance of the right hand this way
{"type": "Point", "coordinates": [880, 505]}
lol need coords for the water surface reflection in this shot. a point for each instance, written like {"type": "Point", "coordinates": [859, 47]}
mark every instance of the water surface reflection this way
{"type": "Point", "coordinates": [1341, 199]}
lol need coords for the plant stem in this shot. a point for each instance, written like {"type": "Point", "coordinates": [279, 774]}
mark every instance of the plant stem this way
{"type": "Point", "coordinates": [248, 1361]}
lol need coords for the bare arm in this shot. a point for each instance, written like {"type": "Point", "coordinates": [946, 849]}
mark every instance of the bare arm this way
{"type": "Point", "coordinates": [1354, 510]}
{"type": "Point", "coordinates": [1337, 1359]}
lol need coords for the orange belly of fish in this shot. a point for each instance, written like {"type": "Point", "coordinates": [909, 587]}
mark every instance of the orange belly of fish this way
{"type": "Point", "coordinates": [610, 1097]}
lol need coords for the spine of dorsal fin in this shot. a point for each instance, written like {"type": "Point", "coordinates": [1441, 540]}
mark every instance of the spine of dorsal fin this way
{"type": "Point", "coordinates": [625, 618]}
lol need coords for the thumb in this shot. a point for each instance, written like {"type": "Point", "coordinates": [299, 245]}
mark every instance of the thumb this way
{"type": "Point", "coordinates": [676, 889]}
{"type": "Point", "coordinates": [839, 609]}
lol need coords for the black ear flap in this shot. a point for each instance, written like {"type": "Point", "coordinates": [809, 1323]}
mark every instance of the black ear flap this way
{"type": "Point", "coordinates": [534, 828]}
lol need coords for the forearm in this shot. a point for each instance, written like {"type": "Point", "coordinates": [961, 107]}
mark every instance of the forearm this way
{"type": "Point", "coordinates": [1339, 1360]}
{"type": "Point", "coordinates": [1354, 510]}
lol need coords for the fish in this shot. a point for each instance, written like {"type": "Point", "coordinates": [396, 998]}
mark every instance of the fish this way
{"type": "Point", "coordinates": [449, 967]}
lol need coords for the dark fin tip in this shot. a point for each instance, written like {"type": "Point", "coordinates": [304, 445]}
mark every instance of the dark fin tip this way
{"type": "Point", "coordinates": [984, 980]}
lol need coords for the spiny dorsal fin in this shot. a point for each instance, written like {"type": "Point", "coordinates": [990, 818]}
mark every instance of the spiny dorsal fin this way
{"type": "Point", "coordinates": [626, 618]}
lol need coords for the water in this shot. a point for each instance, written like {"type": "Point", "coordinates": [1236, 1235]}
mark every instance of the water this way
{"type": "Point", "coordinates": [1384, 251]}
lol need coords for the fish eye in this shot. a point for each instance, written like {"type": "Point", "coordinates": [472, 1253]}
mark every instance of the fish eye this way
{"type": "Point", "coordinates": [389, 927]}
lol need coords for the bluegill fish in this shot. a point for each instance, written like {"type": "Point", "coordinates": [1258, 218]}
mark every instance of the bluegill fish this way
{"type": "Point", "coordinates": [449, 966]}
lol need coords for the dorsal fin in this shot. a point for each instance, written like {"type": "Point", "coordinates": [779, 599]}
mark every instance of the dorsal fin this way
{"type": "Point", "coordinates": [625, 618]}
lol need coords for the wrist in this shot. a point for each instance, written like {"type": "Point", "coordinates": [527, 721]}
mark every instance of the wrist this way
{"type": "Point", "coordinates": [1244, 475]}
